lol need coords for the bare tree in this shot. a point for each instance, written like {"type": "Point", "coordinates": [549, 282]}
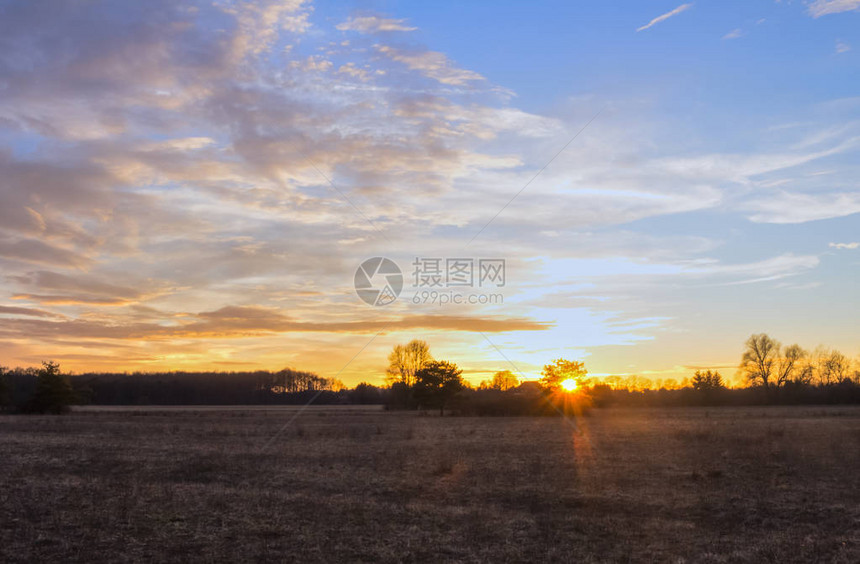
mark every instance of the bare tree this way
{"type": "Point", "coordinates": [831, 366]}
{"type": "Point", "coordinates": [759, 359]}
{"type": "Point", "coordinates": [856, 374]}
{"type": "Point", "coordinates": [405, 360]}
{"type": "Point", "coordinates": [790, 364]}
{"type": "Point", "coordinates": [805, 371]}
{"type": "Point", "coordinates": [767, 363]}
{"type": "Point", "coordinates": [504, 380]}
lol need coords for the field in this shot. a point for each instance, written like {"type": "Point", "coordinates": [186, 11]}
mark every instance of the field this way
{"type": "Point", "coordinates": [351, 484]}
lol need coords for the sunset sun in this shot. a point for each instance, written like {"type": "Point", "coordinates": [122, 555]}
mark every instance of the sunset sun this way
{"type": "Point", "coordinates": [569, 385]}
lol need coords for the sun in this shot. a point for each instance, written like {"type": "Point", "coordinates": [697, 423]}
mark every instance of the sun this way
{"type": "Point", "coordinates": [568, 385]}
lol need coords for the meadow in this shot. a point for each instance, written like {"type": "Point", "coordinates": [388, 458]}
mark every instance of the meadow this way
{"type": "Point", "coordinates": [357, 484]}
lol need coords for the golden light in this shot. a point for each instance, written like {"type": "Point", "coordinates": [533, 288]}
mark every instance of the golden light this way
{"type": "Point", "coordinates": [568, 385]}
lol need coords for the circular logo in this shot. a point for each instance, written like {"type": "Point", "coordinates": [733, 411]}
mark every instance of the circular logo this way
{"type": "Point", "coordinates": [378, 281]}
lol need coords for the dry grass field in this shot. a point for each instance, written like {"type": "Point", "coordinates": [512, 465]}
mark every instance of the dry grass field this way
{"type": "Point", "coordinates": [359, 485]}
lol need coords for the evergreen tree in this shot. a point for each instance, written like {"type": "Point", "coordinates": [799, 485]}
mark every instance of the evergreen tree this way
{"type": "Point", "coordinates": [53, 393]}
{"type": "Point", "coordinates": [436, 383]}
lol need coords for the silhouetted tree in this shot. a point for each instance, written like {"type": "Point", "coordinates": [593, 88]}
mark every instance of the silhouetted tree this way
{"type": "Point", "coordinates": [5, 389]}
{"type": "Point", "coordinates": [289, 380]}
{"type": "Point", "coordinates": [804, 371]}
{"type": "Point", "coordinates": [365, 393]}
{"type": "Point", "coordinates": [400, 396]}
{"type": "Point", "coordinates": [504, 380]}
{"type": "Point", "coordinates": [706, 381]}
{"type": "Point", "coordinates": [436, 383]}
{"type": "Point", "coordinates": [790, 364]}
{"type": "Point", "coordinates": [53, 393]}
{"type": "Point", "coordinates": [405, 360]}
{"type": "Point", "coordinates": [560, 370]}
{"type": "Point", "coordinates": [759, 360]}
{"type": "Point", "coordinates": [832, 366]}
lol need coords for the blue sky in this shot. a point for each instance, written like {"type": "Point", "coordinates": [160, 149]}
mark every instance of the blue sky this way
{"type": "Point", "coordinates": [549, 50]}
{"type": "Point", "coordinates": [192, 185]}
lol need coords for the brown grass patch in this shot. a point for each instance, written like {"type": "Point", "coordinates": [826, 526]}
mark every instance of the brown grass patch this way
{"type": "Point", "coordinates": [715, 485]}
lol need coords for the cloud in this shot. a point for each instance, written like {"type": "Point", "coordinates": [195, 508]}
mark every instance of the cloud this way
{"type": "Point", "coordinates": [81, 284]}
{"type": "Point", "coordinates": [824, 7]}
{"type": "Point", "coordinates": [66, 300]}
{"type": "Point", "coordinates": [354, 71]}
{"type": "Point", "coordinates": [849, 246]}
{"type": "Point", "coordinates": [80, 289]}
{"type": "Point", "coordinates": [790, 207]}
{"type": "Point", "coordinates": [258, 24]}
{"type": "Point", "coordinates": [374, 24]}
{"type": "Point", "coordinates": [38, 252]}
{"type": "Point", "coordinates": [432, 64]}
{"type": "Point", "coordinates": [245, 318]}
{"type": "Point", "coordinates": [10, 310]}
{"type": "Point", "coordinates": [314, 63]}
{"type": "Point", "coordinates": [666, 16]}
{"type": "Point", "coordinates": [774, 268]}
{"type": "Point", "coordinates": [251, 321]}
{"type": "Point", "coordinates": [618, 272]}
{"type": "Point", "coordinates": [842, 47]}
{"type": "Point", "coordinates": [734, 34]}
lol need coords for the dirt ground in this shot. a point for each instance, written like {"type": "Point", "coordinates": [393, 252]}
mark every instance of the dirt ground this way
{"type": "Point", "coordinates": [352, 485]}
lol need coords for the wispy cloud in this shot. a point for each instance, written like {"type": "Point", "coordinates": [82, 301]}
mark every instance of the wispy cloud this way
{"type": "Point", "coordinates": [734, 34]}
{"type": "Point", "coordinates": [248, 321]}
{"type": "Point", "coordinates": [11, 310]}
{"type": "Point", "coordinates": [824, 7]}
{"type": "Point", "coordinates": [848, 246]}
{"type": "Point", "coordinates": [666, 16]}
{"type": "Point", "coordinates": [374, 24]}
{"type": "Point", "coordinates": [432, 64]}
{"type": "Point", "coordinates": [790, 207]}
{"type": "Point", "coordinates": [842, 47]}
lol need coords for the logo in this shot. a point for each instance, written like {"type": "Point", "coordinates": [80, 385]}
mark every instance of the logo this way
{"type": "Point", "coordinates": [378, 281]}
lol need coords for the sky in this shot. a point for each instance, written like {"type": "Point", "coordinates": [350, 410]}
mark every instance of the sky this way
{"type": "Point", "coordinates": [193, 185]}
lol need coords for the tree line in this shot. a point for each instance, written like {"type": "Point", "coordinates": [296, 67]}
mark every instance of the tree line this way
{"type": "Point", "coordinates": [417, 381]}
{"type": "Point", "coordinates": [47, 390]}
{"type": "Point", "coordinates": [772, 374]}
{"type": "Point", "coordinates": [769, 364]}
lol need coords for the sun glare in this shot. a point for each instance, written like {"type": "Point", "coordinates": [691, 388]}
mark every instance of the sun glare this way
{"type": "Point", "coordinates": [568, 385]}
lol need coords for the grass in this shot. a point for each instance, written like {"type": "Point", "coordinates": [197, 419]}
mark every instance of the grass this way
{"type": "Point", "coordinates": [701, 485]}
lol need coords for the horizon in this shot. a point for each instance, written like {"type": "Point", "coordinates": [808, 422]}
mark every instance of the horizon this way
{"type": "Point", "coordinates": [210, 186]}
{"type": "Point", "coordinates": [741, 377]}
